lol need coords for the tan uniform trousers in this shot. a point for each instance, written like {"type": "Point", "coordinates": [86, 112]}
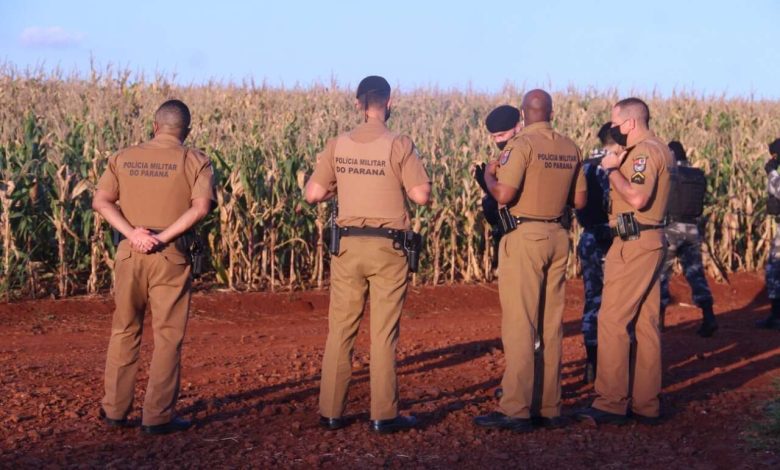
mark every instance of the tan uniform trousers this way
{"type": "Point", "coordinates": [161, 280]}
{"type": "Point", "coordinates": [631, 300]}
{"type": "Point", "coordinates": [364, 266]}
{"type": "Point", "coordinates": [531, 272]}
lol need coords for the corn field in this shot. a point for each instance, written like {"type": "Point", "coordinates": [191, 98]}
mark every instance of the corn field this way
{"type": "Point", "coordinates": [57, 132]}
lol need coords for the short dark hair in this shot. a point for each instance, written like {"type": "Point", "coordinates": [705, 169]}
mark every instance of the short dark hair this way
{"type": "Point", "coordinates": [774, 147]}
{"type": "Point", "coordinates": [174, 114]}
{"type": "Point", "coordinates": [373, 99]}
{"type": "Point", "coordinates": [637, 108]}
{"type": "Point", "coordinates": [373, 92]}
{"type": "Point", "coordinates": [604, 136]}
{"type": "Point", "coordinates": [679, 151]}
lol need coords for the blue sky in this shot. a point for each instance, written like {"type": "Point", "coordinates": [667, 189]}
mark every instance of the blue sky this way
{"type": "Point", "coordinates": [707, 47]}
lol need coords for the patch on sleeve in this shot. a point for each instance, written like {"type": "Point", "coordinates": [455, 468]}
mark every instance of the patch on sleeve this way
{"type": "Point", "coordinates": [640, 164]}
{"type": "Point", "coordinates": [638, 177]}
{"type": "Point", "coordinates": [504, 157]}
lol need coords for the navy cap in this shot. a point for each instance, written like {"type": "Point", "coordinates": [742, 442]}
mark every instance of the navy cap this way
{"type": "Point", "coordinates": [679, 151]}
{"type": "Point", "coordinates": [502, 119]}
{"type": "Point", "coordinates": [774, 147]}
{"type": "Point", "coordinates": [373, 83]}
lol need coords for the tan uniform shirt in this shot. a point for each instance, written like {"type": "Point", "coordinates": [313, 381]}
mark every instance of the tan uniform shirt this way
{"type": "Point", "coordinates": [647, 167]}
{"type": "Point", "coordinates": [156, 181]}
{"type": "Point", "coordinates": [370, 167]}
{"type": "Point", "coordinates": [545, 167]}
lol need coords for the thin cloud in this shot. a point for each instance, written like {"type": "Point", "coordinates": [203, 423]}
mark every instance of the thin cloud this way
{"type": "Point", "coordinates": [54, 36]}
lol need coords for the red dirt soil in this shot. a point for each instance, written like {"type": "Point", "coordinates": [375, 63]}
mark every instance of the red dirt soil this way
{"type": "Point", "coordinates": [251, 375]}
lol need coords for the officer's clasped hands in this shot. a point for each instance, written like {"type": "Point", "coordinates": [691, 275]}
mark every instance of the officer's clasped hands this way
{"type": "Point", "coordinates": [143, 241]}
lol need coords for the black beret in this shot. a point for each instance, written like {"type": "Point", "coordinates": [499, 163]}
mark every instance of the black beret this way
{"type": "Point", "coordinates": [502, 118]}
{"type": "Point", "coordinates": [774, 147]}
{"type": "Point", "coordinates": [373, 83]}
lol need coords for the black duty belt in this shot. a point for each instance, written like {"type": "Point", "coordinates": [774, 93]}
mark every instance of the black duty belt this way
{"type": "Point", "coordinates": [522, 220]}
{"type": "Point", "coordinates": [642, 227]}
{"type": "Point", "coordinates": [390, 233]}
{"type": "Point", "coordinates": [682, 220]}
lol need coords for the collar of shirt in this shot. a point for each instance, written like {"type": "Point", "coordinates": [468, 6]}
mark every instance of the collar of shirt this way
{"type": "Point", "coordinates": [165, 140]}
{"type": "Point", "coordinates": [538, 126]}
{"type": "Point", "coordinates": [369, 130]}
{"type": "Point", "coordinates": [643, 136]}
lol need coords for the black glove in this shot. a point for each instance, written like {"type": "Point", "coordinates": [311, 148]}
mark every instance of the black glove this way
{"type": "Point", "coordinates": [479, 175]}
{"type": "Point", "coordinates": [770, 165]}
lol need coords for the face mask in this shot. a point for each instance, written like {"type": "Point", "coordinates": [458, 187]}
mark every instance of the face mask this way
{"type": "Point", "coordinates": [619, 138]}
{"type": "Point", "coordinates": [501, 145]}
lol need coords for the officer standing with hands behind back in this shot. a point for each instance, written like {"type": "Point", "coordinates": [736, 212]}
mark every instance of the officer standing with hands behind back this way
{"type": "Point", "coordinates": [640, 181]}
{"type": "Point", "coordinates": [152, 194]}
{"type": "Point", "coordinates": [372, 171]}
{"type": "Point", "coordinates": [536, 176]}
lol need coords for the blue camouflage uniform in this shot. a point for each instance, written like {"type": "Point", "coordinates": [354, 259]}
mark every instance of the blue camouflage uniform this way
{"type": "Point", "coordinates": [684, 241]}
{"type": "Point", "coordinates": [594, 243]}
{"type": "Point", "coordinates": [773, 264]}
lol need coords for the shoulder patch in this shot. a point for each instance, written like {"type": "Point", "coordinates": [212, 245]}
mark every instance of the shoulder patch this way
{"type": "Point", "coordinates": [504, 157]}
{"type": "Point", "coordinates": [638, 177]}
{"type": "Point", "coordinates": [640, 163]}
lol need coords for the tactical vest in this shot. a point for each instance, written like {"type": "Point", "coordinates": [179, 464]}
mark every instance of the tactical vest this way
{"type": "Point", "coordinates": [368, 184]}
{"type": "Point", "coordinates": [687, 199]}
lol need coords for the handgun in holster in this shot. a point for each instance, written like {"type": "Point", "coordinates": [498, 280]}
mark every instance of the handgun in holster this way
{"type": "Point", "coordinates": [189, 244]}
{"type": "Point", "coordinates": [334, 234]}
{"type": "Point", "coordinates": [627, 226]}
{"type": "Point", "coordinates": [411, 243]}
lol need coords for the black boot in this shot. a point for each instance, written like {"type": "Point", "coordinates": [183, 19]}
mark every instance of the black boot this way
{"type": "Point", "coordinates": [772, 322]}
{"type": "Point", "coordinates": [708, 325]}
{"type": "Point", "coordinates": [590, 364]}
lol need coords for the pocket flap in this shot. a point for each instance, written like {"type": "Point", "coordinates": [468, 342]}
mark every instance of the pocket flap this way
{"type": "Point", "coordinates": [535, 237]}
{"type": "Point", "coordinates": [175, 258]}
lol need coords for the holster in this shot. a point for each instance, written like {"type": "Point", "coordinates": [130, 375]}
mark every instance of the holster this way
{"type": "Point", "coordinates": [507, 222]}
{"type": "Point", "coordinates": [627, 226]}
{"type": "Point", "coordinates": [407, 240]}
{"type": "Point", "coordinates": [411, 243]}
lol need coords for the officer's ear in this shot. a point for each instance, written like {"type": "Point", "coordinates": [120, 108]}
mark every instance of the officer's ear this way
{"type": "Point", "coordinates": [358, 106]}
{"type": "Point", "coordinates": [155, 128]}
{"type": "Point", "coordinates": [389, 103]}
{"type": "Point", "coordinates": [185, 133]}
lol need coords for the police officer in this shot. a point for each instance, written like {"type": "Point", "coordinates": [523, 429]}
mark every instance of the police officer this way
{"type": "Point", "coordinates": [639, 190]}
{"type": "Point", "coordinates": [536, 175]}
{"type": "Point", "coordinates": [152, 194]}
{"type": "Point", "coordinates": [594, 243]}
{"type": "Point", "coordinates": [503, 123]}
{"type": "Point", "coordinates": [772, 322]}
{"type": "Point", "coordinates": [372, 171]}
{"type": "Point", "coordinates": [683, 239]}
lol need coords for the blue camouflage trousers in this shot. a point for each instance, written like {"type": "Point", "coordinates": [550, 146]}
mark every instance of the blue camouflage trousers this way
{"type": "Point", "coordinates": [592, 248]}
{"type": "Point", "coordinates": [684, 241]}
{"type": "Point", "coordinates": [773, 269]}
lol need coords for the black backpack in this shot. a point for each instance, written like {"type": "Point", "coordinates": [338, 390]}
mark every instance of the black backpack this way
{"type": "Point", "coordinates": [689, 185]}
